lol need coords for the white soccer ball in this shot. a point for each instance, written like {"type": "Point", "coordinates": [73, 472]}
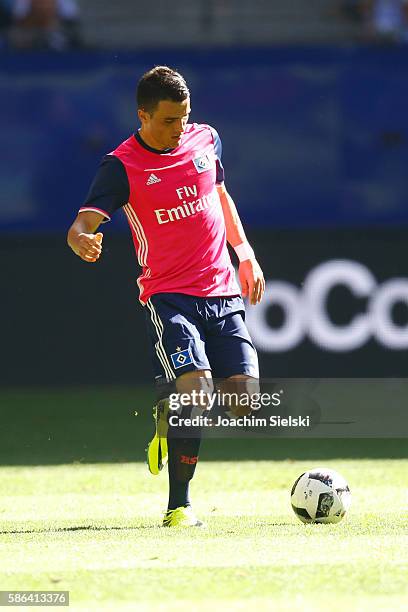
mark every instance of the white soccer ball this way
{"type": "Point", "coordinates": [320, 495]}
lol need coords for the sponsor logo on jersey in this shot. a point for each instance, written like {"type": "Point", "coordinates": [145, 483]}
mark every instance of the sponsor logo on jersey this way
{"type": "Point", "coordinates": [153, 179]}
{"type": "Point", "coordinates": [202, 163]}
{"type": "Point", "coordinates": [181, 358]}
{"type": "Point", "coordinates": [186, 208]}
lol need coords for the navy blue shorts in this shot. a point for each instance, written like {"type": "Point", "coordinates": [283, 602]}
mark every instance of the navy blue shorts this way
{"type": "Point", "coordinates": [195, 333]}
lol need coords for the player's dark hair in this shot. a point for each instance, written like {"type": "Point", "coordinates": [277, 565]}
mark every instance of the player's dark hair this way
{"type": "Point", "coordinates": [160, 83]}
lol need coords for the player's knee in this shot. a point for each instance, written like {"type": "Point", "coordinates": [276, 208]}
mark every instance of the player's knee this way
{"type": "Point", "coordinates": [238, 393]}
{"type": "Point", "coordinates": [195, 389]}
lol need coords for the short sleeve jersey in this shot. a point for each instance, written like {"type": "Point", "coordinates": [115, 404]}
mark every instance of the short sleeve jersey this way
{"type": "Point", "coordinates": [173, 210]}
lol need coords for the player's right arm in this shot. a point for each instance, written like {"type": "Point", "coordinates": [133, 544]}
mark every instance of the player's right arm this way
{"type": "Point", "coordinates": [109, 192]}
{"type": "Point", "coordinates": [82, 238]}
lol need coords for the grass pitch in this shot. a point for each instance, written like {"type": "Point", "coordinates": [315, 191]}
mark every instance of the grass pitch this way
{"type": "Point", "coordinates": [94, 530]}
{"type": "Point", "coordinates": [80, 512]}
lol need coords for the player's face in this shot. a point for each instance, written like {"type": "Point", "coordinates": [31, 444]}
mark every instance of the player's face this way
{"type": "Point", "coordinates": [164, 127]}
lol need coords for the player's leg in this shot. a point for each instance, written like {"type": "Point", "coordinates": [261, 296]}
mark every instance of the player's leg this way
{"type": "Point", "coordinates": [181, 366]}
{"type": "Point", "coordinates": [238, 390]}
{"type": "Point", "coordinates": [177, 347]}
{"type": "Point", "coordinates": [232, 354]}
{"type": "Point", "coordinates": [184, 441]}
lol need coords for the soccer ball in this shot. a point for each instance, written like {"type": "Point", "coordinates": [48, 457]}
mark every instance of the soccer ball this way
{"type": "Point", "coordinates": [320, 496]}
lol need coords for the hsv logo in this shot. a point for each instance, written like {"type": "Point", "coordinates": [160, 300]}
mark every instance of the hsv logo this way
{"type": "Point", "coordinates": [181, 358]}
{"type": "Point", "coordinates": [153, 179]}
{"type": "Point", "coordinates": [202, 163]}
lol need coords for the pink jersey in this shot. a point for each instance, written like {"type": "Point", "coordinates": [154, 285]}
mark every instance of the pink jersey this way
{"type": "Point", "coordinates": [176, 219]}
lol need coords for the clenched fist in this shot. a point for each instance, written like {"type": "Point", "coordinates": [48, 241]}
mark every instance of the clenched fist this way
{"type": "Point", "coordinates": [88, 246]}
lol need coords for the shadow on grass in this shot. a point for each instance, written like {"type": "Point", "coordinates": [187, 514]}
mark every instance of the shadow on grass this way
{"type": "Point", "coordinates": [75, 528]}
{"type": "Point", "coordinates": [259, 523]}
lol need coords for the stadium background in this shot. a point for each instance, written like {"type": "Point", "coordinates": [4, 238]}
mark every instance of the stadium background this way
{"type": "Point", "coordinates": [315, 134]}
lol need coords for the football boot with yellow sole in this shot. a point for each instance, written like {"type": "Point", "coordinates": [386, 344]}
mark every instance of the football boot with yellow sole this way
{"type": "Point", "coordinates": [181, 517]}
{"type": "Point", "coordinates": [157, 451]}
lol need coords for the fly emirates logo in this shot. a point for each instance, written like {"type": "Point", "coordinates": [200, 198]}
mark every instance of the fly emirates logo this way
{"type": "Point", "coordinates": [187, 207]}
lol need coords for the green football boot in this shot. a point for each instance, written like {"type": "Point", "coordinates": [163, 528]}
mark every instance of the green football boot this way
{"type": "Point", "coordinates": [157, 451]}
{"type": "Point", "coordinates": [181, 517]}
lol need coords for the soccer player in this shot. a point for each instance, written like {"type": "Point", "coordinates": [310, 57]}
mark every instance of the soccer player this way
{"type": "Point", "coordinates": [169, 181]}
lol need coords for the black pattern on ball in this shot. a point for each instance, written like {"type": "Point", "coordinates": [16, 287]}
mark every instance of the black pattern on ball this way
{"type": "Point", "coordinates": [302, 512]}
{"type": "Point", "coordinates": [325, 478]}
{"type": "Point", "coordinates": [296, 481]}
{"type": "Point", "coordinates": [324, 504]}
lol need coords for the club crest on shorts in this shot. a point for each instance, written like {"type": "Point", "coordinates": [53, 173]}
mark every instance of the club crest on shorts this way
{"type": "Point", "coordinates": [181, 358]}
{"type": "Point", "coordinates": [202, 163]}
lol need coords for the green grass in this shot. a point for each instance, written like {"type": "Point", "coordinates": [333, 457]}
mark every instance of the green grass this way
{"type": "Point", "coordinates": [94, 530]}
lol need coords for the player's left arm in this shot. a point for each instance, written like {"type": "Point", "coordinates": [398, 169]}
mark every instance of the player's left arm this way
{"type": "Point", "coordinates": [250, 274]}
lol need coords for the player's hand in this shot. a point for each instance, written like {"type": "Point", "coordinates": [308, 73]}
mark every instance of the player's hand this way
{"type": "Point", "coordinates": [252, 280]}
{"type": "Point", "coordinates": [89, 246]}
